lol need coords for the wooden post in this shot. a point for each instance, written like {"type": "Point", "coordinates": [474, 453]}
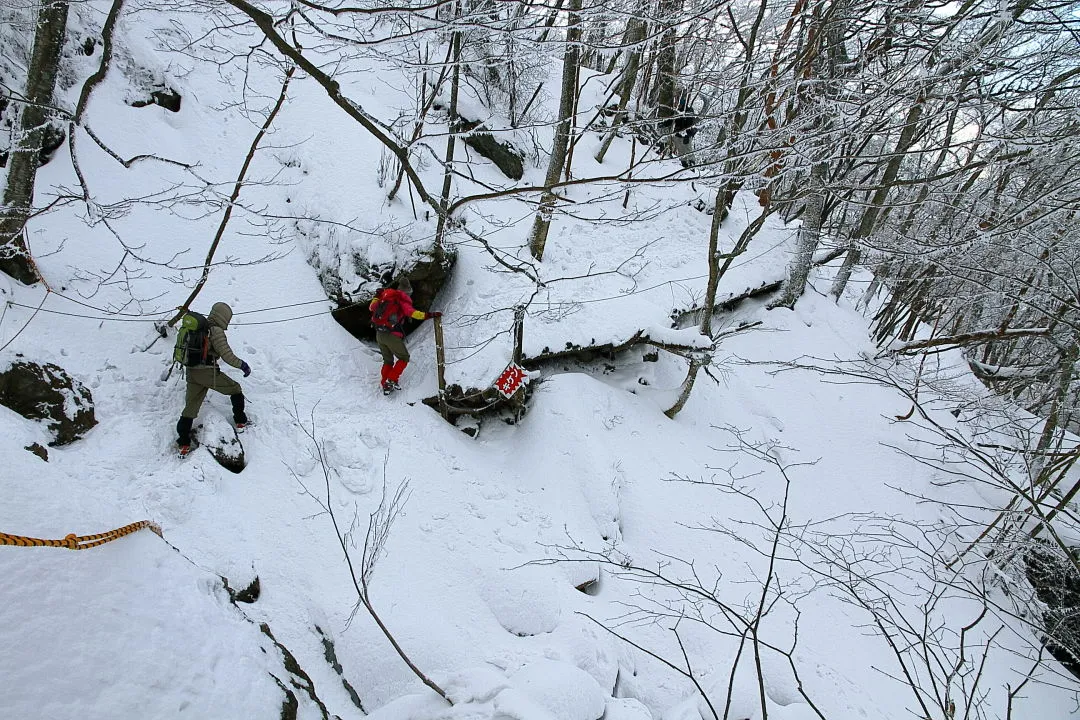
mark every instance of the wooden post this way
{"type": "Point", "coordinates": [519, 353]}
{"type": "Point", "coordinates": [519, 332]}
{"type": "Point", "coordinates": [440, 363]}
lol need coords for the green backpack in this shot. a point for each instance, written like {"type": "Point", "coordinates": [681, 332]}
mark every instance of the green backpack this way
{"type": "Point", "coordinates": [192, 341]}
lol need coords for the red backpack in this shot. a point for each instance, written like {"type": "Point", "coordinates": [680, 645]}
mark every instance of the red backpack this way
{"type": "Point", "coordinates": [388, 311]}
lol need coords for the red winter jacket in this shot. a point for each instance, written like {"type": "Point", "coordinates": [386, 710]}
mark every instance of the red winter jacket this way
{"type": "Point", "coordinates": [407, 310]}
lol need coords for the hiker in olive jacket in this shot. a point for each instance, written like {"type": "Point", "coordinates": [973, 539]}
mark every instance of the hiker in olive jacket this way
{"type": "Point", "coordinates": [202, 378]}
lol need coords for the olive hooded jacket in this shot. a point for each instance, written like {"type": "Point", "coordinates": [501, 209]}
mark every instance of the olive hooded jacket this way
{"type": "Point", "coordinates": [218, 320]}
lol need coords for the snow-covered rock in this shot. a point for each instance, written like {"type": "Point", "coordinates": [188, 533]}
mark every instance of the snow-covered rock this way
{"type": "Point", "coordinates": [565, 691]}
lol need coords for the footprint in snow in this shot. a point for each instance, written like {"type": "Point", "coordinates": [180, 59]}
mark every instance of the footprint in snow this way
{"type": "Point", "coordinates": [491, 492]}
{"type": "Point", "coordinates": [356, 481]}
{"type": "Point", "coordinates": [509, 542]}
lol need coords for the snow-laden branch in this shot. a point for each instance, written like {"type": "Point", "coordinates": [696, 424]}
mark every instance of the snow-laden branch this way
{"type": "Point", "coordinates": [972, 338]}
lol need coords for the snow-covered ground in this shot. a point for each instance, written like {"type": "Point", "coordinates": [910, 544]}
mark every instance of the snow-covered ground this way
{"type": "Point", "coordinates": [480, 575]}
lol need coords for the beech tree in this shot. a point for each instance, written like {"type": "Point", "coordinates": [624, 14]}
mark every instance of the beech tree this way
{"type": "Point", "coordinates": [567, 100]}
{"type": "Point", "coordinates": [25, 159]}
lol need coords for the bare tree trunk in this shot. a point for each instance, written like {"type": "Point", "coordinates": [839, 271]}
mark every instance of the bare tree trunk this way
{"type": "Point", "coordinates": [1061, 470]}
{"type": "Point", "coordinates": [15, 258]}
{"type": "Point", "coordinates": [568, 164]}
{"type": "Point", "coordinates": [666, 75]}
{"type": "Point", "coordinates": [871, 214]}
{"type": "Point", "coordinates": [809, 234]}
{"type": "Point", "coordinates": [724, 196]}
{"type": "Point", "coordinates": [542, 223]}
{"type": "Point", "coordinates": [88, 87]}
{"type": "Point", "coordinates": [550, 21]}
{"type": "Point", "coordinates": [634, 36]}
{"type": "Point", "coordinates": [687, 387]}
{"type": "Point", "coordinates": [451, 145]}
{"type": "Point", "coordinates": [720, 205]}
{"type": "Point", "coordinates": [853, 257]}
{"type": "Point", "coordinates": [822, 57]}
{"type": "Point", "coordinates": [1053, 418]}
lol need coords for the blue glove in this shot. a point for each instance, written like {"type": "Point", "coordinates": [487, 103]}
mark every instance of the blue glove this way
{"type": "Point", "coordinates": [245, 368]}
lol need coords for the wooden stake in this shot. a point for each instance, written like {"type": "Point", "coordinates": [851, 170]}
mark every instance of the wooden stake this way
{"type": "Point", "coordinates": [519, 333]}
{"type": "Point", "coordinates": [440, 363]}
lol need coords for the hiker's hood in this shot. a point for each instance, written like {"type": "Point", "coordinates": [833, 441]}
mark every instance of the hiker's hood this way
{"type": "Point", "coordinates": [220, 315]}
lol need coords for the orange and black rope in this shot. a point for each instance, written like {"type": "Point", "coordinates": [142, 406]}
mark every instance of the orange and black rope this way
{"type": "Point", "coordinates": [80, 542]}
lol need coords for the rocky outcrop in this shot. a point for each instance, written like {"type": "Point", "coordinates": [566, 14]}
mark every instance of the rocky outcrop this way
{"type": "Point", "coordinates": [467, 409]}
{"type": "Point", "coordinates": [162, 97]}
{"type": "Point", "coordinates": [39, 450]}
{"type": "Point", "coordinates": [228, 451]}
{"type": "Point", "coordinates": [47, 392]}
{"type": "Point", "coordinates": [1057, 587]}
{"type": "Point", "coordinates": [247, 595]}
{"type": "Point", "coordinates": [505, 156]}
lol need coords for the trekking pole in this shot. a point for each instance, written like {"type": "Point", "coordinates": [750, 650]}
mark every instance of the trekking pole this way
{"type": "Point", "coordinates": [440, 364]}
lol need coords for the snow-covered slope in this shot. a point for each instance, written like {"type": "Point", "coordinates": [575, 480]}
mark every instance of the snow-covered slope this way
{"type": "Point", "coordinates": [479, 578]}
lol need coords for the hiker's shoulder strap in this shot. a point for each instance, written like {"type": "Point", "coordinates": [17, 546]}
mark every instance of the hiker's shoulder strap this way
{"type": "Point", "coordinates": [380, 296]}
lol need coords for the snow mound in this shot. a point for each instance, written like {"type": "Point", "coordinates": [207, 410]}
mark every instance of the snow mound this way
{"type": "Point", "coordinates": [524, 600]}
{"type": "Point", "coordinates": [565, 691]}
{"type": "Point", "coordinates": [626, 709]}
{"type": "Point", "coordinates": [118, 624]}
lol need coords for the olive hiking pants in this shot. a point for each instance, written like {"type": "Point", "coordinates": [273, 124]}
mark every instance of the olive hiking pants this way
{"type": "Point", "coordinates": [202, 379]}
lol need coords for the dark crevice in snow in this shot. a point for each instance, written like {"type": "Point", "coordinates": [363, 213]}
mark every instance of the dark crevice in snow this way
{"type": "Point", "coordinates": [692, 315]}
{"type": "Point", "coordinates": [593, 352]}
{"type": "Point", "coordinates": [298, 678]}
{"type": "Point", "coordinates": [590, 587]}
{"type": "Point", "coordinates": [39, 450]}
{"type": "Point", "coordinates": [290, 705]}
{"type": "Point", "coordinates": [509, 160]}
{"type": "Point", "coordinates": [330, 653]}
{"type": "Point", "coordinates": [229, 454]}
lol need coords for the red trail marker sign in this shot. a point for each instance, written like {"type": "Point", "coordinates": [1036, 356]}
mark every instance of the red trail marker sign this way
{"type": "Point", "coordinates": [511, 380]}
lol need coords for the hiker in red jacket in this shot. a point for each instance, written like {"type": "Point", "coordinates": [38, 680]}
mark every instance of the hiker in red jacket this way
{"type": "Point", "coordinates": [389, 310]}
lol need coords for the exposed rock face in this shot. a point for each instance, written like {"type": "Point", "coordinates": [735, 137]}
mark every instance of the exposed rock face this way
{"type": "Point", "coordinates": [1057, 586]}
{"type": "Point", "coordinates": [162, 97]}
{"type": "Point", "coordinates": [505, 156]}
{"type": "Point", "coordinates": [52, 137]}
{"type": "Point", "coordinates": [47, 392]}
{"type": "Point", "coordinates": [248, 595]}
{"type": "Point", "coordinates": [39, 450]}
{"type": "Point", "coordinates": [427, 277]}
{"type": "Point", "coordinates": [228, 451]}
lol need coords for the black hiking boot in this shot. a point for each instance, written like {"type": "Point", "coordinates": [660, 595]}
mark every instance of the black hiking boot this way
{"type": "Point", "coordinates": [184, 443]}
{"type": "Point", "coordinates": [240, 418]}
